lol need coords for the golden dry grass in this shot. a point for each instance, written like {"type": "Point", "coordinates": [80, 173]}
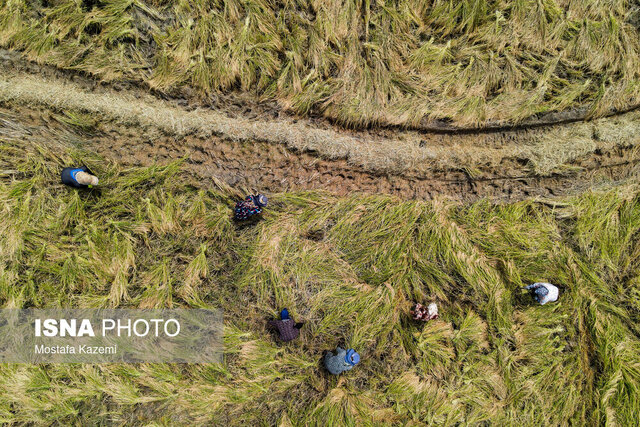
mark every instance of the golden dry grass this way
{"type": "Point", "coordinates": [357, 62]}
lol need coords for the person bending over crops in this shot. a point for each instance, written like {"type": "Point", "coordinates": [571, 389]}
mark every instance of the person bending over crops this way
{"type": "Point", "coordinates": [250, 207]}
{"type": "Point", "coordinates": [78, 177]}
{"type": "Point", "coordinates": [420, 312]}
{"type": "Point", "coordinates": [343, 360]}
{"type": "Point", "coordinates": [543, 292]}
{"type": "Point", "coordinates": [288, 329]}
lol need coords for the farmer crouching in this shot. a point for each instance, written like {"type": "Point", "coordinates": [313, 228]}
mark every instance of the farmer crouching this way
{"type": "Point", "coordinates": [287, 328]}
{"type": "Point", "coordinates": [251, 206]}
{"type": "Point", "coordinates": [343, 360]}
{"type": "Point", "coordinates": [424, 314]}
{"type": "Point", "coordinates": [78, 177]}
{"type": "Point", "coordinates": [543, 292]}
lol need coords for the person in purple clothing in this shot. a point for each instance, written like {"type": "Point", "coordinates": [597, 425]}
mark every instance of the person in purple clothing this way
{"type": "Point", "coordinates": [288, 329]}
{"type": "Point", "coordinates": [250, 207]}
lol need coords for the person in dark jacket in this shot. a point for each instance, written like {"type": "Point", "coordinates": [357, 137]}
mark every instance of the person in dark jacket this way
{"type": "Point", "coordinates": [343, 360]}
{"type": "Point", "coordinates": [78, 177]}
{"type": "Point", "coordinates": [288, 329]}
{"type": "Point", "coordinates": [250, 207]}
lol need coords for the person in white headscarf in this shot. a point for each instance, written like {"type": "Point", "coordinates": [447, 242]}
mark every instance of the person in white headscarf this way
{"type": "Point", "coordinates": [543, 292]}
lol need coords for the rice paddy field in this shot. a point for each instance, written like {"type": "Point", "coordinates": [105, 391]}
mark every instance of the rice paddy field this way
{"type": "Point", "coordinates": [350, 268]}
{"type": "Point", "coordinates": [235, 77]}
{"type": "Point", "coordinates": [356, 62]}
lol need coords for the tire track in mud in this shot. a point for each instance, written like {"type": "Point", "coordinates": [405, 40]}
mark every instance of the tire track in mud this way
{"type": "Point", "coordinates": [465, 167]}
{"type": "Point", "coordinates": [270, 168]}
{"type": "Point", "coordinates": [274, 168]}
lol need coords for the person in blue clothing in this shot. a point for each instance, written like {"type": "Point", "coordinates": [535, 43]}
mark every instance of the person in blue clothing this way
{"type": "Point", "coordinates": [80, 177]}
{"type": "Point", "coordinates": [343, 360]}
{"type": "Point", "coordinates": [250, 207]}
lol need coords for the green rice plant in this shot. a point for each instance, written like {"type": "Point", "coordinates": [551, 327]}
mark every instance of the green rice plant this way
{"type": "Point", "coordinates": [84, 122]}
{"type": "Point", "coordinates": [606, 231]}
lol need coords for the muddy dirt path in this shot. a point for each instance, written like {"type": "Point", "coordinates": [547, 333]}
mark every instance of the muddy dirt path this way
{"type": "Point", "coordinates": [274, 168]}
{"type": "Point", "coordinates": [277, 154]}
{"type": "Point", "coordinates": [266, 167]}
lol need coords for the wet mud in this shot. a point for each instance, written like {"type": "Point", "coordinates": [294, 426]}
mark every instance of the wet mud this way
{"type": "Point", "coordinates": [274, 168]}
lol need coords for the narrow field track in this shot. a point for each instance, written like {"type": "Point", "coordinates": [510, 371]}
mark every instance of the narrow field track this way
{"type": "Point", "coordinates": [274, 153]}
